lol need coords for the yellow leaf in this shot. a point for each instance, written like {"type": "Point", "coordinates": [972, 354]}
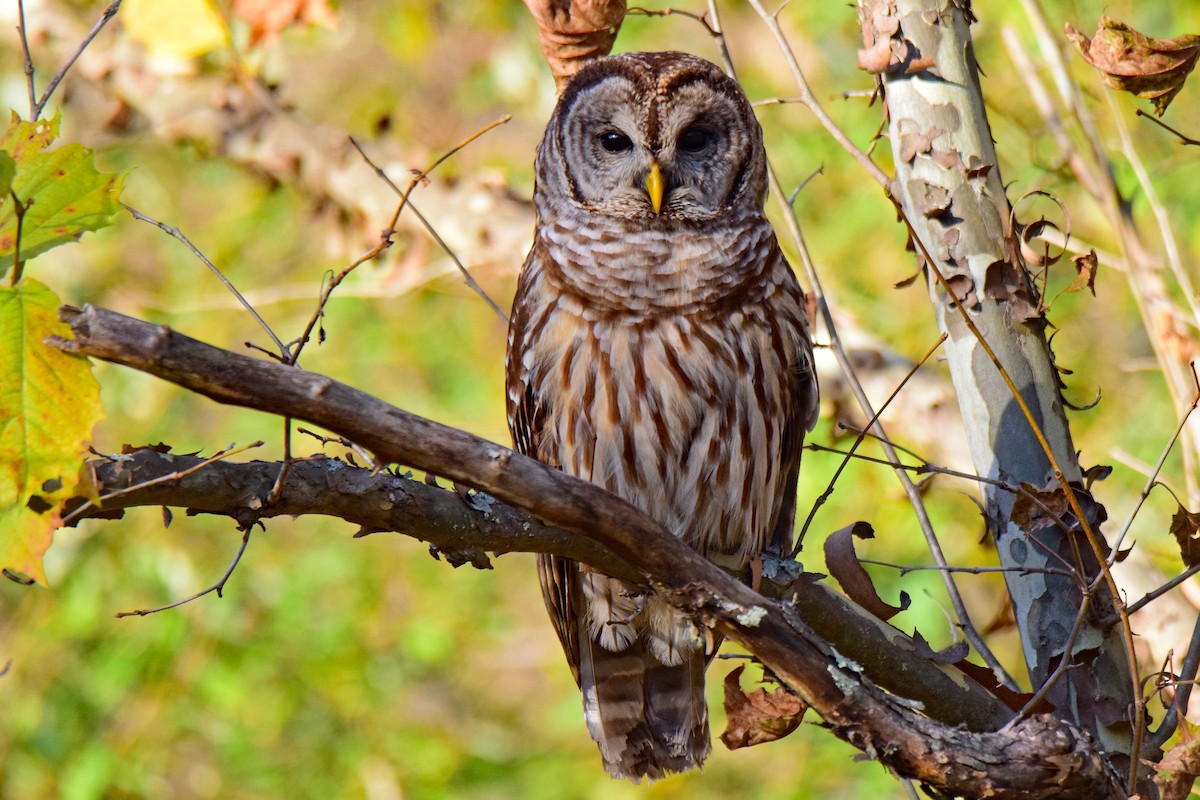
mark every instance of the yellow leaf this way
{"type": "Point", "coordinates": [174, 28]}
{"type": "Point", "coordinates": [49, 404]}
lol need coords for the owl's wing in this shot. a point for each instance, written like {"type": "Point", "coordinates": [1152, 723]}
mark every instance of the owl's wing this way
{"type": "Point", "coordinates": [803, 407]}
{"type": "Point", "coordinates": [527, 419]}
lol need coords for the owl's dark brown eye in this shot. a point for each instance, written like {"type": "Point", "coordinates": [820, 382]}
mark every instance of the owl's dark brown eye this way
{"type": "Point", "coordinates": [614, 142]}
{"type": "Point", "coordinates": [693, 140]}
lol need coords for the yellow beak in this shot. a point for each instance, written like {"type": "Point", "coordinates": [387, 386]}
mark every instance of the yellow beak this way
{"type": "Point", "coordinates": [655, 186]}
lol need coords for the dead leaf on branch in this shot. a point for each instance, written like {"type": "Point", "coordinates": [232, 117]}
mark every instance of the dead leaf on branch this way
{"type": "Point", "coordinates": [843, 565]}
{"type": "Point", "coordinates": [1153, 69]}
{"type": "Point", "coordinates": [760, 716]}
{"type": "Point", "coordinates": [1185, 527]}
{"type": "Point", "coordinates": [1086, 266]}
{"type": "Point", "coordinates": [1181, 765]}
{"type": "Point", "coordinates": [573, 32]}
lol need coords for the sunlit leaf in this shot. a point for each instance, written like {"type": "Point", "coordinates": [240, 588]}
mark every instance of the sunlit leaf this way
{"type": "Point", "coordinates": [63, 193]}
{"type": "Point", "coordinates": [181, 29]}
{"type": "Point", "coordinates": [49, 404]}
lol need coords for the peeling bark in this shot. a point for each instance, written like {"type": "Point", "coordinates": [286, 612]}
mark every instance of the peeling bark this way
{"type": "Point", "coordinates": [948, 183]}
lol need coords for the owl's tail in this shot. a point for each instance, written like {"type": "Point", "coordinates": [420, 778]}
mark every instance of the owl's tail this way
{"type": "Point", "coordinates": [648, 719]}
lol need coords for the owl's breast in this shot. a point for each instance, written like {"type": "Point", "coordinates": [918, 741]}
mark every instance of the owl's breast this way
{"type": "Point", "coordinates": [682, 415]}
{"type": "Point", "coordinates": [614, 266]}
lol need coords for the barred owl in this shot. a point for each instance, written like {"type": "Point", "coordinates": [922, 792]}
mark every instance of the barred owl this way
{"type": "Point", "coordinates": [658, 348]}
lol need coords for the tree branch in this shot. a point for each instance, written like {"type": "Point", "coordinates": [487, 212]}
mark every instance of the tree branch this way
{"type": "Point", "coordinates": [1039, 756]}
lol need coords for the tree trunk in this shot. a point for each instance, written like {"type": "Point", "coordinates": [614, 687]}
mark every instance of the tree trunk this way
{"type": "Point", "coordinates": [949, 187]}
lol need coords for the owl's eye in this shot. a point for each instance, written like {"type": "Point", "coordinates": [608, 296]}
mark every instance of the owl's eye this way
{"type": "Point", "coordinates": [614, 142]}
{"type": "Point", "coordinates": [693, 140]}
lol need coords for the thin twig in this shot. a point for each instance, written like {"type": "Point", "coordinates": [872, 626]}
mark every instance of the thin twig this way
{"type": "Point", "coordinates": [1063, 666]}
{"type": "Point", "coordinates": [1185, 681]}
{"type": "Point", "coordinates": [927, 468]}
{"type": "Point", "coordinates": [971, 570]}
{"type": "Point", "coordinates": [1184, 140]}
{"type": "Point", "coordinates": [284, 352]}
{"type": "Point", "coordinates": [385, 240]}
{"type": "Point", "coordinates": [807, 98]}
{"type": "Point", "coordinates": [37, 108]}
{"type": "Point", "coordinates": [1154, 594]}
{"type": "Point", "coordinates": [174, 476]}
{"type": "Point", "coordinates": [29, 79]}
{"type": "Point", "coordinates": [433, 233]}
{"type": "Point", "coordinates": [218, 587]}
{"type": "Point", "coordinates": [800, 186]}
{"type": "Point", "coordinates": [1162, 217]}
{"type": "Point", "coordinates": [669, 12]}
{"type": "Point", "coordinates": [825, 495]}
{"type": "Point", "coordinates": [1152, 480]}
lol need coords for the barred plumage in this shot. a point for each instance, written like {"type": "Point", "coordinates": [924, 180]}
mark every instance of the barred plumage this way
{"type": "Point", "coordinates": [662, 352]}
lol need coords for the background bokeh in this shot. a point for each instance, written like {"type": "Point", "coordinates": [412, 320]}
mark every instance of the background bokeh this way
{"type": "Point", "coordinates": [335, 667]}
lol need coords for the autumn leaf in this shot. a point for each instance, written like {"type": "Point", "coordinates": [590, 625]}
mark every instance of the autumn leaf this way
{"type": "Point", "coordinates": [268, 18]}
{"type": "Point", "coordinates": [1085, 272]}
{"type": "Point", "coordinates": [180, 29]}
{"type": "Point", "coordinates": [49, 404]}
{"type": "Point", "coordinates": [760, 716]}
{"type": "Point", "coordinates": [843, 565]}
{"type": "Point", "coordinates": [1185, 527]}
{"type": "Point", "coordinates": [1154, 69]}
{"type": "Point", "coordinates": [1180, 767]}
{"type": "Point", "coordinates": [63, 193]}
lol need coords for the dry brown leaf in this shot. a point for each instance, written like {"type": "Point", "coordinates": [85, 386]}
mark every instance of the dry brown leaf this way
{"type": "Point", "coordinates": [760, 716]}
{"type": "Point", "coordinates": [1185, 527]}
{"type": "Point", "coordinates": [1085, 269]}
{"type": "Point", "coordinates": [1154, 69]}
{"type": "Point", "coordinates": [1181, 765]}
{"type": "Point", "coordinates": [843, 565]}
{"type": "Point", "coordinates": [573, 32]}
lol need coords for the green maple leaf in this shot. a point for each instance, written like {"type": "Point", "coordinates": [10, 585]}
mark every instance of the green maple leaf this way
{"type": "Point", "coordinates": [62, 192]}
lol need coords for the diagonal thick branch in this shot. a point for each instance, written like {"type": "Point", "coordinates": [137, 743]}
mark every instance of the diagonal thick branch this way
{"type": "Point", "coordinates": [1033, 757]}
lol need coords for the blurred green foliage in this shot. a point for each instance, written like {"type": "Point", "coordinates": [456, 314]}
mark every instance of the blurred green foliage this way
{"type": "Point", "coordinates": [364, 668]}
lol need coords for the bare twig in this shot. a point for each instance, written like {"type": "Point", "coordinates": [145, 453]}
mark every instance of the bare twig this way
{"type": "Point", "coordinates": [1184, 140]}
{"type": "Point", "coordinates": [1152, 479]}
{"type": "Point", "coordinates": [807, 98]}
{"type": "Point", "coordinates": [825, 495]}
{"type": "Point", "coordinates": [284, 351]}
{"type": "Point", "coordinates": [904, 570]}
{"type": "Point", "coordinates": [1063, 665]}
{"type": "Point", "coordinates": [1150, 596]}
{"type": "Point", "coordinates": [1185, 681]}
{"type": "Point", "coordinates": [218, 587]}
{"type": "Point", "coordinates": [37, 108]}
{"type": "Point", "coordinates": [385, 239]}
{"type": "Point", "coordinates": [432, 232]}
{"type": "Point", "coordinates": [28, 57]}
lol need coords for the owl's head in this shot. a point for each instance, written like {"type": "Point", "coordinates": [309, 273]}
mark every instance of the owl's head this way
{"type": "Point", "coordinates": [653, 136]}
